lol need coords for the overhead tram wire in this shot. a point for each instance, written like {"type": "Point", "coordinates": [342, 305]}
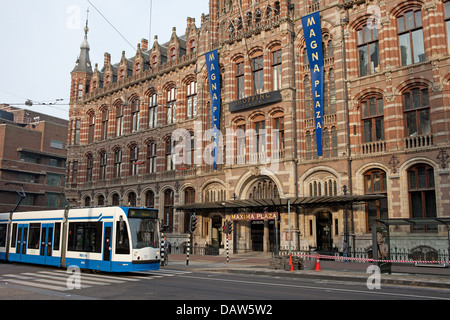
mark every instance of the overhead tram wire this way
{"type": "Point", "coordinates": [111, 25]}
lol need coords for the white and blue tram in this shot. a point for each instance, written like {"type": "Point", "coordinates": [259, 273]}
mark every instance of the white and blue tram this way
{"type": "Point", "coordinates": [111, 239]}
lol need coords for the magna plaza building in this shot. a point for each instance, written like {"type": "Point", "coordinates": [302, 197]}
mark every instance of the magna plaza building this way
{"type": "Point", "coordinates": [140, 128]}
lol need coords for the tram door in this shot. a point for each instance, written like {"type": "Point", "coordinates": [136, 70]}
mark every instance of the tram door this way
{"type": "Point", "coordinates": [107, 245]}
{"type": "Point", "coordinates": [46, 242]}
{"type": "Point", "coordinates": [22, 237]}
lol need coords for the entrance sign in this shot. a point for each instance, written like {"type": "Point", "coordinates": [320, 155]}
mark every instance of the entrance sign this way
{"type": "Point", "coordinates": [255, 216]}
{"type": "Point", "coordinates": [212, 66]}
{"type": "Point", "coordinates": [313, 40]}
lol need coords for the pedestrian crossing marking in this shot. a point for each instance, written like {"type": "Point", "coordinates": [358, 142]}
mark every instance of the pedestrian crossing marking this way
{"type": "Point", "coordinates": [56, 280]}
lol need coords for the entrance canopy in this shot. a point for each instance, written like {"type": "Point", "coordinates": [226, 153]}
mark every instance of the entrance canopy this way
{"type": "Point", "coordinates": [279, 202]}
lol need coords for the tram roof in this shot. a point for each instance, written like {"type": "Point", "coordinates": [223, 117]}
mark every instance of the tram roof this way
{"type": "Point", "coordinates": [280, 202]}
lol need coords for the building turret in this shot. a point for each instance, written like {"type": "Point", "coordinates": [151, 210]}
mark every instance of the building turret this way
{"type": "Point", "coordinates": [82, 73]}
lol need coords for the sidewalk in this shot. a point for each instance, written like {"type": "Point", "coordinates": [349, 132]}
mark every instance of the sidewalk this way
{"type": "Point", "coordinates": [258, 264]}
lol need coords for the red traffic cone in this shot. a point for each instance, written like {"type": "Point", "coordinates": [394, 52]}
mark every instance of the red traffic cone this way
{"type": "Point", "coordinates": [317, 264]}
{"type": "Point", "coordinates": [290, 262]}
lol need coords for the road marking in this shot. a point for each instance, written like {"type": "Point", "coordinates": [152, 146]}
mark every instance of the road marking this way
{"type": "Point", "coordinates": [413, 296]}
{"type": "Point", "coordinates": [57, 279]}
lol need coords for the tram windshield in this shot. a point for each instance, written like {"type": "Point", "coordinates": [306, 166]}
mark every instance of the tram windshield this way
{"type": "Point", "coordinates": [144, 232]}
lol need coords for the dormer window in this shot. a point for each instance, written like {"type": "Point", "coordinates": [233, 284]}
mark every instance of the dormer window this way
{"type": "Point", "coordinates": [173, 55]}
{"type": "Point", "coordinates": [137, 68]}
{"type": "Point", "coordinates": [192, 46]}
{"type": "Point", "coordinates": [121, 74]}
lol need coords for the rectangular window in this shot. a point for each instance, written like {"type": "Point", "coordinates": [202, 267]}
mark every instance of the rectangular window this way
{"type": "Point", "coordinates": [135, 115]}
{"type": "Point", "coordinates": [153, 111]}
{"type": "Point", "coordinates": [55, 180]}
{"type": "Point", "coordinates": [34, 236]}
{"type": "Point", "coordinates": [76, 139]}
{"type": "Point", "coordinates": [412, 48]}
{"type": "Point", "coordinates": [56, 145]}
{"type": "Point", "coordinates": [85, 237]}
{"type": "Point", "coordinates": [151, 157]}
{"type": "Point", "coordinates": [119, 120]}
{"type": "Point", "coordinates": [369, 56]}
{"type": "Point", "coordinates": [240, 80]}
{"type": "Point", "coordinates": [122, 240]}
{"type": "Point", "coordinates": [57, 237]}
{"type": "Point", "coordinates": [276, 70]}
{"type": "Point", "coordinates": [3, 228]}
{"type": "Point", "coordinates": [117, 163]}
{"type": "Point", "coordinates": [258, 75]}
{"type": "Point", "coordinates": [191, 99]}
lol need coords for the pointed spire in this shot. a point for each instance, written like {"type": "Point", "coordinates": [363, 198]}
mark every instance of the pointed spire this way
{"type": "Point", "coordinates": [83, 63]}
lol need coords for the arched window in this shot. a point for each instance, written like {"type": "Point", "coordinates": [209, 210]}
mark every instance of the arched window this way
{"type": "Point", "coordinates": [410, 36]}
{"type": "Point", "coordinates": [119, 120]}
{"type": "Point", "coordinates": [276, 70]}
{"type": "Point", "coordinates": [240, 142]}
{"type": "Point", "coordinates": [368, 52]}
{"type": "Point", "coordinates": [422, 195]}
{"type": "Point", "coordinates": [191, 100]}
{"type": "Point", "coordinates": [375, 183]}
{"type": "Point", "coordinates": [151, 157]}
{"type": "Point", "coordinates": [89, 167]}
{"type": "Point", "coordinates": [115, 199]}
{"type": "Point", "coordinates": [416, 104]}
{"type": "Point", "coordinates": [150, 199]}
{"type": "Point", "coordinates": [87, 201]}
{"type": "Point", "coordinates": [101, 200]}
{"type": "Point", "coordinates": [447, 21]}
{"type": "Point", "coordinates": [168, 209]}
{"type": "Point", "coordinates": [152, 110]}
{"type": "Point", "coordinates": [168, 153]}
{"type": "Point", "coordinates": [91, 132]}
{"type": "Point", "coordinates": [171, 105]}
{"type": "Point", "coordinates": [372, 117]}
{"type": "Point", "coordinates": [132, 199]}
{"type": "Point", "coordinates": [258, 74]}
{"type": "Point", "coordinates": [240, 81]}
{"type": "Point", "coordinates": [105, 119]}
{"type": "Point", "coordinates": [308, 100]}
{"type": "Point", "coordinates": [103, 165]}
{"type": "Point", "coordinates": [135, 114]}
{"type": "Point", "coordinates": [263, 188]}
{"type": "Point", "coordinates": [189, 195]}
{"type": "Point", "coordinates": [134, 160]}
{"type": "Point", "coordinates": [117, 163]}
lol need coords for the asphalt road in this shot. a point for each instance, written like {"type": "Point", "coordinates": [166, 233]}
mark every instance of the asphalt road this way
{"type": "Point", "coordinates": [181, 286]}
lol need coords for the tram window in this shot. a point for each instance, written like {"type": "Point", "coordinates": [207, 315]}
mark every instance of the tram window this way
{"type": "Point", "coordinates": [122, 240]}
{"type": "Point", "coordinates": [85, 236]}
{"type": "Point", "coordinates": [57, 237]}
{"type": "Point", "coordinates": [3, 235]}
{"type": "Point", "coordinates": [14, 235]}
{"type": "Point", "coordinates": [34, 236]}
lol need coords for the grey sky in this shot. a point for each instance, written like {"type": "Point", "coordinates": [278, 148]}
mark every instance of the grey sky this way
{"type": "Point", "coordinates": [40, 41]}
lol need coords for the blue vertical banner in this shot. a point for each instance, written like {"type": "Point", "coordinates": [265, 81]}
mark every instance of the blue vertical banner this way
{"type": "Point", "coordinates": [212, 65]}
{"type": "Point", "coordinates": [313, 41]}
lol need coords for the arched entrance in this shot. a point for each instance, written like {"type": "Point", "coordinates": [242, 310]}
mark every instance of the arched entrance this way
{"type": "Point", "coordinates": [324, 231]}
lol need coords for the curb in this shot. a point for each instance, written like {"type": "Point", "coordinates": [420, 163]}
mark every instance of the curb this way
{"type": "Point", "coordinates": [386, 279]}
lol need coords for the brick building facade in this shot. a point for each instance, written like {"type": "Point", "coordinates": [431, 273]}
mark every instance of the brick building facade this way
{"type": "Point", "coordinates": [33, 155]}
{"type": "Point", "coordinates": [386, 123]}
